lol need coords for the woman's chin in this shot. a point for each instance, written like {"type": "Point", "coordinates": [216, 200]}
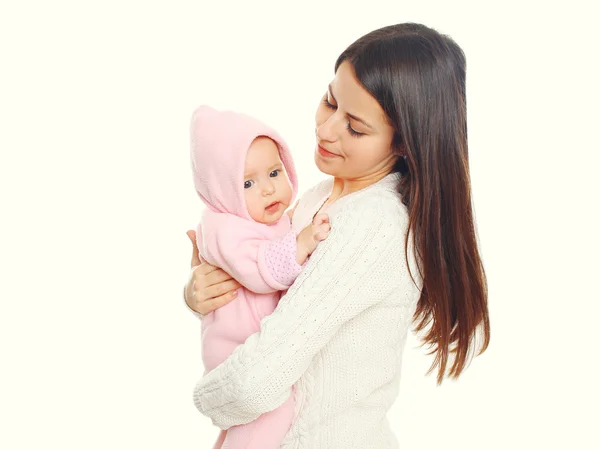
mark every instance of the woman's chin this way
{"type": "Point", "coordinates": [323, 166]}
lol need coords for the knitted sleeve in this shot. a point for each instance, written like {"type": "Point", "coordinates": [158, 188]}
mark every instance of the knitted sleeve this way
{"type": "Point", "coordinates": [346, 275]}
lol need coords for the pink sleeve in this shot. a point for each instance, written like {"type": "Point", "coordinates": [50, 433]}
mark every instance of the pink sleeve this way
{"type": "Point", "coordinates": [280, 259]}
{"type": "Point", "coordinates": [241, 252]}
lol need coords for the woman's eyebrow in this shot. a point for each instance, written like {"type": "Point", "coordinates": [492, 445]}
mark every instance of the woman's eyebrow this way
{"type": "Point", "coordinates": [352, 116]}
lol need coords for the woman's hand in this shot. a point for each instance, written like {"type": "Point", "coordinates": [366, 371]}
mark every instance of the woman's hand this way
{"type": "Point", "coordinates": [209, 287]}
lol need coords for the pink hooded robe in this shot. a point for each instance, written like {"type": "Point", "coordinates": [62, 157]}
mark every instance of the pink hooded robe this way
{"type": "Point", "coordinates": [261, 257]}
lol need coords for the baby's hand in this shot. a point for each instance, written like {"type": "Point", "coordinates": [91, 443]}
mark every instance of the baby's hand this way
{"type": "Point", "coordinates": [320, 228]}
{"type": "Point", "coordinates": [310, 236]}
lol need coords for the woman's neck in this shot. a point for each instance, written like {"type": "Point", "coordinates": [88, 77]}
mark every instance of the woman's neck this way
{"type": "Point", "coordinates": [345, 186]}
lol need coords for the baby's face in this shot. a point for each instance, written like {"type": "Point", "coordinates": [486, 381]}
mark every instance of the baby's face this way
{"type": "Point", "coordinates": [267, 188]}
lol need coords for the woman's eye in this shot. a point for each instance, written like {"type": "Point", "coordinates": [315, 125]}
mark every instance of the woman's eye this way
{"type": "Point", "coordinates": [328, 104]}
{"type": "Point", "coordinates": [352, 131]}
{"type": "Point", "coordinates": [248, 184]}
{"type": "Point", "coordinates": [274, 173]}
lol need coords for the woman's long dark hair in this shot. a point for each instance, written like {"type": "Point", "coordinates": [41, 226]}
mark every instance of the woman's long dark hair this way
{"type": "Point", "coordinates": [418, 77]}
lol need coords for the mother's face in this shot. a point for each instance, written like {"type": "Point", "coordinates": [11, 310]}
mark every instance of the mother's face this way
{"type": "Point", "coordinates": [354, 138]}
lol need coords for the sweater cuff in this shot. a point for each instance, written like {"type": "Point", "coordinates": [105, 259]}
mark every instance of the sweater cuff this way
{"type": "Point", "coordinates": [280, 258]}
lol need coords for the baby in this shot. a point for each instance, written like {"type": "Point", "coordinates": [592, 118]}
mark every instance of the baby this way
{"type": "Point", "coordinates": [244, 173]}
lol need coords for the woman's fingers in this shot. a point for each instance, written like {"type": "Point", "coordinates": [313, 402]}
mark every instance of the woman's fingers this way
{"type": "Point", "coordinates": [222, 288]}
{"type": "Point", "coordinates": [210, 275]}
{"type": "Point", "coordinates": [205, 268]}
{"type": "Point", "coordinates": [217, 296]}
{"type": "Point", "coordinates": [216, 276]}
{"type": "Point", "coordinates": [214, 303]}
{"type": "Point", "coordinates": [209, 286]}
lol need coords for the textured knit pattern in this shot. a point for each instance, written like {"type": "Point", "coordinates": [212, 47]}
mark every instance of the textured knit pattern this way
{"type": "Point", "coordinates": [338, 334]}
{"type": "Point", "coordinates": [266, 432]}
{"type": "Point", "coordinates": [280, 256]}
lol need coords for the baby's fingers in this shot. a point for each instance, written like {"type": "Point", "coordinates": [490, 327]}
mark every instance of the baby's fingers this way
{"type": "Point", "coordinates": [320, 219]}
{"type": "Point", "coordinates": [323, 227]}
{"type": "Point", "coordinates": [322, 232]}
{"type": "Point", "coordinates": [321, 235]}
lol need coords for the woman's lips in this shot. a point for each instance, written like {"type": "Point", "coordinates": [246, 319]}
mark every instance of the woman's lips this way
{"type": "Point", "coordinates": [323, 152]}
{"type": "Point", "coordinates": [273, 208]}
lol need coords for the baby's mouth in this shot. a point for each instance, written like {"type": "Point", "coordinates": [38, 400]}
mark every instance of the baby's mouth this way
{"type": "Point", "coordinates": [273, 207]}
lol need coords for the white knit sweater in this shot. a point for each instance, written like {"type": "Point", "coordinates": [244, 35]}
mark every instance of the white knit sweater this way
{"type": "Point", "coordinates": [337, 335]}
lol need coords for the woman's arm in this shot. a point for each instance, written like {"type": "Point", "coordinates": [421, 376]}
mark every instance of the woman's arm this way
{"type": "Point", "coordinates": [344, 276]}
{"type": "Point", "coordinates": [208, 287]}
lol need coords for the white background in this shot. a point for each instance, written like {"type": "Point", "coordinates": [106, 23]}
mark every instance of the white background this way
{"type": "Point", "coordinates": [97, 348]}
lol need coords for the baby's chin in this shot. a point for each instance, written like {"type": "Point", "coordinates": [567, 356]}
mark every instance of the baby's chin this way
{"type": "Point", "coordinates": [270, 219]}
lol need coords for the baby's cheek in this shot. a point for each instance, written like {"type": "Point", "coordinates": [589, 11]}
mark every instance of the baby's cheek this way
{"type": "Point", "coordinates": [288, 198]}
{"type": "Point", "coordinates": [253, 211]}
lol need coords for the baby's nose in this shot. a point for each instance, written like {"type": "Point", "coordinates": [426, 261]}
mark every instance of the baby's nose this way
{"type": "Point", "coordinates": [269, 189]}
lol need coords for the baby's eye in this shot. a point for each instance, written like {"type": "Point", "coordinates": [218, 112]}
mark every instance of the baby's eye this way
{"type": "Point", "coordinates": [248, 184]}
{"type": "Point", "coordinates": [275, 173]}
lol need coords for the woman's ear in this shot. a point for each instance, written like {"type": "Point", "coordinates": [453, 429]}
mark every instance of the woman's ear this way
{"type": "Point", "coordinates": [401, 164]}
{"type": "Point", "coordinates": [398, 148]}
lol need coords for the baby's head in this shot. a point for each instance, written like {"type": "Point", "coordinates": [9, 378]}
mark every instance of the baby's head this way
{"type": "Point", "coordinates": [267, 188]}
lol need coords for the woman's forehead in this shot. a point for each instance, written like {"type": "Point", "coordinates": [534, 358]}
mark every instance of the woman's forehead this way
{"type": "Point", "coordinates": [354, 98]}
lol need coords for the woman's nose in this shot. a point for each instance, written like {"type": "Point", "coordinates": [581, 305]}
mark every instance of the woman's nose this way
{"type": "Point", "coordinates": [326, 130]}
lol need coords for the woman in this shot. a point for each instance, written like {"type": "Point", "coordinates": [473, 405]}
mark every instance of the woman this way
{"type": "Point", "coordinates": [391, 131]}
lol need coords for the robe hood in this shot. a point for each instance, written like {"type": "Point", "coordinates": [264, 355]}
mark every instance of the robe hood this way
{"type": "Point", "coordinates": [219, 143]}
